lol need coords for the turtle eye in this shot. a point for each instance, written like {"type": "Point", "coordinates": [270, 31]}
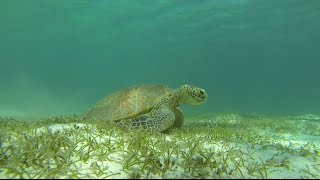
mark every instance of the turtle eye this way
{"type": "Point", "coordinates": [201, 92]}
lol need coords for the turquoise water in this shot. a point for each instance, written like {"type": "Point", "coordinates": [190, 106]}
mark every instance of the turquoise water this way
{"type": "Point", "coordinates": [59, 57]}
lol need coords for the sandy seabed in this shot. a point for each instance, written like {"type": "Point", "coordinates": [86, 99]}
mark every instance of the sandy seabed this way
{"type": "Point", "coordinates": [228, 145]}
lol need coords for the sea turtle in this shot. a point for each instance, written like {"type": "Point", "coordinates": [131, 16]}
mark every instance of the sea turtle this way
{"type": "Point", "coordinates": [151, 107]}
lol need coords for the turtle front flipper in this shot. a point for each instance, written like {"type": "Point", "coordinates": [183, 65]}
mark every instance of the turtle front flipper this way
{"type": "Point", "coordinates": [179, 117]}
{"type": "Point", "coordinates": [156, 120]}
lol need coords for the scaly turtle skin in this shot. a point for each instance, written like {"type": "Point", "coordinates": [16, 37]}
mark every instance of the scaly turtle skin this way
{"type": "Point", "coordinates": [150, 107]}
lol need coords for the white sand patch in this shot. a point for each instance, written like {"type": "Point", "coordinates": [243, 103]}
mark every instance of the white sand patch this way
{"type": "Point", "coordinates": [60, 127]}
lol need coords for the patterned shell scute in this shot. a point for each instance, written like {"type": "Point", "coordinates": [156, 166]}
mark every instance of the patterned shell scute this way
{"type": "Point", "coordinates": [127, 102]}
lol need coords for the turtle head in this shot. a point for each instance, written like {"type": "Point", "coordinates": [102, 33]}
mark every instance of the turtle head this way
{"type": "Point", "coordinates": [192, 95]}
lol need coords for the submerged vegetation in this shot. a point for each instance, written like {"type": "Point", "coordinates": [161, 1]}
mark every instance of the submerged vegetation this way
{"type": "Point", "coordinates": [209, 146]}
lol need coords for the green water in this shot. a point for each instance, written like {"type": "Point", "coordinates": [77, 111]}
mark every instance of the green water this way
{"type": "Point", "coordinates": [255, 56]}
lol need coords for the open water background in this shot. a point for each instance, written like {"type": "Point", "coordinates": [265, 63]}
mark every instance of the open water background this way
{"type": "Point", "coordinates": [255, 56]}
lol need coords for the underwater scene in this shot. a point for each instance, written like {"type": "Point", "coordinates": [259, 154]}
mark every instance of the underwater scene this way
{"type": "Point", "coordinates": [180, 89]}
